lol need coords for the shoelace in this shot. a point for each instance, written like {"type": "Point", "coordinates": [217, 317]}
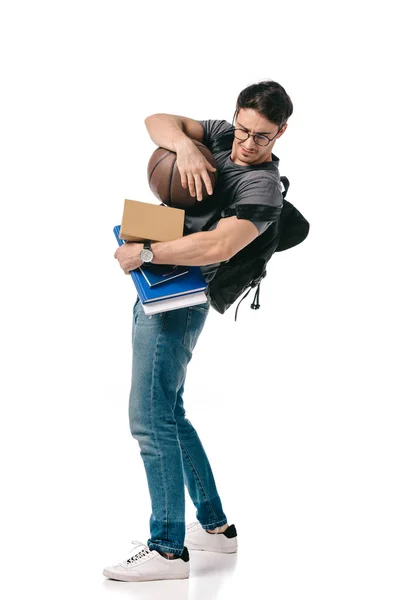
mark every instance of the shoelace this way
{"type": "Point", "coordinates": [139, 555]}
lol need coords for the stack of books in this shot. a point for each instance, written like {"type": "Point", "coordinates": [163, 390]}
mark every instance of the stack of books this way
{"type": "Point", "coordinates": [167, 287]}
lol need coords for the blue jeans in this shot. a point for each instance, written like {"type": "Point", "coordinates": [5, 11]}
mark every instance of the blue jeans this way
{"type": "Point", "coordinates": [171, 450]}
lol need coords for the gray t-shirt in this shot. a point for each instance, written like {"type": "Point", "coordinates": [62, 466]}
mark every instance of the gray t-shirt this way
{"type": "Point", "coordinates": [236, 185]}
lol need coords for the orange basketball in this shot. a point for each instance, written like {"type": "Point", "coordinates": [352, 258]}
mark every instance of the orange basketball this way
{"type": "Point", "coordinates": [165, 180]}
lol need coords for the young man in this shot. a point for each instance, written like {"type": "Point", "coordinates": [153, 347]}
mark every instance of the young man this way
{"type": "Point", "coordinates": [171, 450]}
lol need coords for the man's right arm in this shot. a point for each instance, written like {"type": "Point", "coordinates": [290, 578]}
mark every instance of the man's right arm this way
{"type": "Point", "coordinates": [173, 131]}
{"type": "Point", "coordinates": [176, 133]}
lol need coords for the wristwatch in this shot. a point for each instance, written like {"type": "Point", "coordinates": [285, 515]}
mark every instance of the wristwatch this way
{"type": "Point", "coordinates": [146, 254]}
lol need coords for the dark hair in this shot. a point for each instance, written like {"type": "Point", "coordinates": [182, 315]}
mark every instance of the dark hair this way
{"type": "Point", "coordinates": [267, 98]}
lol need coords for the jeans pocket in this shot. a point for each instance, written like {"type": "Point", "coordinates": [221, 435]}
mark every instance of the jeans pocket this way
{"type": "Point", "coordinates": [196, 318]}
{"type": "Point", "coordinates": [135, 307]}
{"type": "Point", "coordinates": [204, 308]}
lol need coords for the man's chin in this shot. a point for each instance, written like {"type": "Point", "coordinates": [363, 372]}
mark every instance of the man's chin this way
{"type": "Point", "coordinates": [249, 160]}
{"type": "Point", "coordinates": [248, 156]}
{"type": "Point", "coordinates": [245, 159]}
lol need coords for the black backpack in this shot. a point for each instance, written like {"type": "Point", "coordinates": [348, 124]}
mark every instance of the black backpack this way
{"type": "Point", "coordinates": [247, 268]}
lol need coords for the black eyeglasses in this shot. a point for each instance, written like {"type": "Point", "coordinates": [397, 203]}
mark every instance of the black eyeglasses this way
{"type": "Point", "coordinates": [259, 139]}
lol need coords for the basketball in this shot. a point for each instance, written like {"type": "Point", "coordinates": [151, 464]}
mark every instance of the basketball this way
{"type": "Point", "coordinates": [165, 180]}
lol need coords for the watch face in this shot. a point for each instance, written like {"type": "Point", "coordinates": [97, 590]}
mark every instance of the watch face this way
{"type": "Point", "coordinates": [146, 255]}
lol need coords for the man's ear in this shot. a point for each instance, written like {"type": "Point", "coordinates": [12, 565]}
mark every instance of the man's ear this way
{"type": "Point", "coordinates": [282, 131]}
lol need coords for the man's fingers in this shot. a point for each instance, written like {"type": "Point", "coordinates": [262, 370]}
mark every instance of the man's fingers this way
{"type": "Point", "coordinates": [193, 181]}
{"type": "Point", "coordinates": [191, 184]}
{"type": "Point", "coordinates": [199, 187]}
{"type": "Point", "coordinates": [207, 182]}
{"type": "Point", "coordinates": [210, 167]}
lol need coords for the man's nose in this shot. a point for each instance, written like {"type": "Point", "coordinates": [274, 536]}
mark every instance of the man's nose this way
{"type": "Point", "coordinates": [249, 143]}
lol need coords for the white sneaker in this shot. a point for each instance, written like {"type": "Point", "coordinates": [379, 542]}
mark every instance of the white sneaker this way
{"type": "Point", "coordinates": [198, 538]}
{"type": "Point", "coordinates": [149, 565]}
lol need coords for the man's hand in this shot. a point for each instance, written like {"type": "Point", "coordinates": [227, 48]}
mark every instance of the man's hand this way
{"type": "Point", "coordinates": [128, 256]}
{"type": "Point", "coordinates": [193, 168]}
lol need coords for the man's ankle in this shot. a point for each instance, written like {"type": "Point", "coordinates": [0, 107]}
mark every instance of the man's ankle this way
{"type": "Point", "coordinates": [167, 554]}
{"type": "Point", "coordinates": [220, 529]}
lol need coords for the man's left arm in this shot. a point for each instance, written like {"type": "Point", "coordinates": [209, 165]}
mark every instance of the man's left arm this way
{"type": "Point", "coordinates": [197, 249]}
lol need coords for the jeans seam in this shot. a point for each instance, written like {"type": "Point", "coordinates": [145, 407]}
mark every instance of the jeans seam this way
{"type": "Point", "coordinates": [186, 329]}
{"type": "Point", "coordinates": [219, 523]}
{"type": "Point", "coordinates": [198, 478]}
{"type": "Point", "coordinates": [166, 548]}
{"type": "Point", "coordinates": [188, 319]}
{"type": "Point", "coordinates": [152, 418]}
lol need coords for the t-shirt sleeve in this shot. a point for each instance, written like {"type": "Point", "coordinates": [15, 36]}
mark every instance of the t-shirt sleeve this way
{"type": "Point", "coordinates": [259, 190]}
{"type": "Point", "coordinates": [261, 225]}
{"type": "Point", "coordinates": [213, 128]}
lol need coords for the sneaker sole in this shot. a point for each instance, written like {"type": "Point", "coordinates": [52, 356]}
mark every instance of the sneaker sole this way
{"type": "Point", "coordinates": [127, 578]}
{"type": "Point", "coordinates": [190, 546]}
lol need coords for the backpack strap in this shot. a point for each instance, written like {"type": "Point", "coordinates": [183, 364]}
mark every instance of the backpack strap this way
{"type": "Point", "coordinates": [286, 184]}
{"type": "Point", "coordinates": [222, 142]}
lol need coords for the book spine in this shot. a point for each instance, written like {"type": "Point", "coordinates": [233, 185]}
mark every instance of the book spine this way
{"type": "Point", "coordinates": [139, 286]}
{"type": "Point", "coordinates": [134, 275]}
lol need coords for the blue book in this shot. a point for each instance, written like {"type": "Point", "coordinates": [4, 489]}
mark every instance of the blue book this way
{"type": "Point", "coordinates": [186, 290]}
{"type": "Point", "coordinates": [157, 274]}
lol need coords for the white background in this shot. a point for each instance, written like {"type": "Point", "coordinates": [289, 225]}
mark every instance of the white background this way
{"type": "Point", "coordinates": [297, 404]}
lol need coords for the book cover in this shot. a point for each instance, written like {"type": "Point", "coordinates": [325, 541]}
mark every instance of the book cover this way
{"type": "Point", "coordinates": [157, 274]}
{"type": "Point", "coordinates": [192, 283]}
